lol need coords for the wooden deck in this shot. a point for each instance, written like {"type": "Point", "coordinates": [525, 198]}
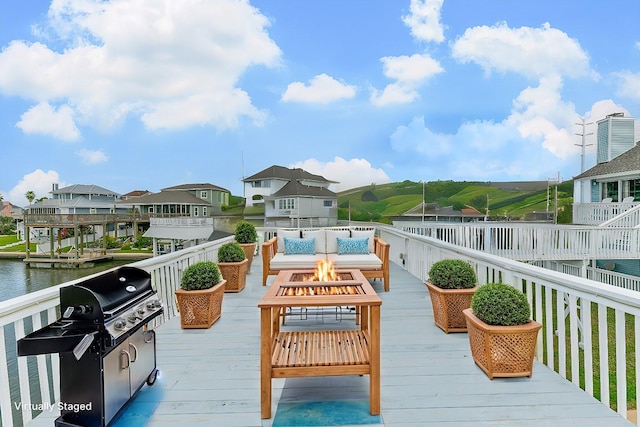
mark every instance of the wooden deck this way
{"type": "Point", "coordinates": [212, 377]}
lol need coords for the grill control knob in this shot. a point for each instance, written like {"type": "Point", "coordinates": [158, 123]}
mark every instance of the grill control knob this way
{"type": "Point", "coordinates": [151, 305]}
{"type": "Point", "coordinates": [140, 310]}
{"type": "Point", "coordinates": [119, 324]}
{"type": "Point", "coordinates": [132, 318]}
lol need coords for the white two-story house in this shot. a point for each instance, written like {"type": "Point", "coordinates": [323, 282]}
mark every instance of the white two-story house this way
{"type": "Point", "coordinates": [292, 197]}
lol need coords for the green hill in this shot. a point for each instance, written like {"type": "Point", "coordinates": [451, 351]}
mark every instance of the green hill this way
{"type": "Point", "coordinates": [506, 200]}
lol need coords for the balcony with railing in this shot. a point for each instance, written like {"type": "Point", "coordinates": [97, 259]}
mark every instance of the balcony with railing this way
{"type": "Point", "coordinates": [586, 358]}
{"type": "Point", "coordinates": [612, 214]}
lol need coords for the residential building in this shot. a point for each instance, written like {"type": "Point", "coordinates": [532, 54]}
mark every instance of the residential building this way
{"type": "Point", "coordinates": [613, 181]}
{"type": "Point", "coordinates": [79, 199]}
{"type": "Point", "coordinates": [292, 197]}
{"type": "Point", "coordinates": [10, 210]}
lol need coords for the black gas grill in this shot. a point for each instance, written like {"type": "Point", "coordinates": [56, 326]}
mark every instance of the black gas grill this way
{"type": "Point", "coordinates": [106, 350]}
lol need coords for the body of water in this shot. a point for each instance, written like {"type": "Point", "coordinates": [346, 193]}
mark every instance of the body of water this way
{"type": "Point", "coordinates": [17, 279]}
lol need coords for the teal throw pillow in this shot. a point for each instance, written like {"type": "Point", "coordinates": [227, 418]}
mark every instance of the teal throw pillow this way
{"type": "Point", "coordinates": [293, 246]}
{"type": "Point", "coordinates": [353, 245]}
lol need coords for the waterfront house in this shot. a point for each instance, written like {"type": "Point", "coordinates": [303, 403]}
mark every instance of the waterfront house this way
{"type": "Point", "coordinates": [182, 215]}
{"type": "Point", "coordinates": [292, 197]}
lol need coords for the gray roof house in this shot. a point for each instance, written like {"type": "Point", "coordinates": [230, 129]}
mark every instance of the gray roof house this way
{"type": "Point", "coordinates": [614, 181]}
{"type": "Point", "coordinates": [182, 214]}
{"type": "Point", "coordinates": [292, 197]}
{"type": "Point", "coordinates": [79, 199]}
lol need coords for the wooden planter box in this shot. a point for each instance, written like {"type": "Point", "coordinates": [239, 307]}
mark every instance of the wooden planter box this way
{"type": "Point", "coordinates": [249, 250]}
{"type": "Point", "coordinates": [200, 309]}
{"type": "Point", "coordinates": [448, 305]}
{"type": "Point", "coordinates": [235, 273]}
{"type": "Point", "coordinates": [502, 351]}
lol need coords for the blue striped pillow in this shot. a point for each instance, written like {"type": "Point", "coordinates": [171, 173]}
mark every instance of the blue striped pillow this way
{"type": "Point", "coordinates": [353, 245]}
{"type": "Point", "coordinates": [293, 246]}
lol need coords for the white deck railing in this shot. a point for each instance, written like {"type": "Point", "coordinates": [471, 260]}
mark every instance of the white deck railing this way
{"type": "Point", "coordinates": [584, 313]}
{"type": "Point", "coordinates": [598, 213]}
{"type": "Point", "coordinates": [22, 378]}
{"type": "Point", "coordinates": [531, 241]}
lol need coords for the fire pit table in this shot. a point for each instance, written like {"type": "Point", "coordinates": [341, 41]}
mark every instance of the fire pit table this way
{"type": "Point", "coordinates": [306, 353]}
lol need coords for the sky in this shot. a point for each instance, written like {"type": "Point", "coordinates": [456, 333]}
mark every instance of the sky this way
{"type": "Point", "coordinates": [147, 94]}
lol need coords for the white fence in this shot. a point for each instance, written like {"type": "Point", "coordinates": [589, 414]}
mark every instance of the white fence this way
{"type": "Point", "coordinates": [531, 242]}
{"type": "Point", "coordinates": [599, 213]}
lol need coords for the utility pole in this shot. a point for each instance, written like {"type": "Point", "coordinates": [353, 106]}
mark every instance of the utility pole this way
{"type": "Point", "coordinates": [422, 201]}
{"type": "Point", "coordinates": [582, 144]}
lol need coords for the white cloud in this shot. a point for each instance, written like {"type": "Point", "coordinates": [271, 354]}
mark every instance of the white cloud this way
{"type": "Point", "coordinates": [322, 89]}
{"type": "Point", "coordinates": [417, 137]}
{"type": "Point", "coordinates": [142, 59]}
{"type": "Point", "coordinates": [43, 119]}
{"type": "Point", "coordinates": [92, 157]}
{"type": "Point", "coordinates": [38, 181]}
{"type": "Point", "coordinates": [531, 52]}
{"type": "Point", "coordinates": [348, 173]}
{"type": "Point", "coordinates": [409, 72]}
{"type": "Point", "coordinates": [628, 85]}
{"type": "Point", "coordinates": [424, 20]}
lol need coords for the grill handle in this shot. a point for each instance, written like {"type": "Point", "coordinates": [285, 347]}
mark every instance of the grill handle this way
{"type": "Point", "coordinates": [128, 358]}
{"type": "Point", "coordinates": [134, 352]}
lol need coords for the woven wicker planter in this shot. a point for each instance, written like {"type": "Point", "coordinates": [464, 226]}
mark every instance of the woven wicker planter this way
{"type": "Point", "coordinates": [235, 273]}
{"type": "Point", "coordinates": [249, 250]}
{"type": "Point", "coordinates": [448, 305]}
{"type": "Point", "coordinates": [200, 309]}
{"type": "Point", "coordinates": [502, 351]}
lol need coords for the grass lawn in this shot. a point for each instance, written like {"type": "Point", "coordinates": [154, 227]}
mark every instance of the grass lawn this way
{"type": "Point", "coordinates": [20, 248]}
{"type": "Point", "coordinates": [8, 239]}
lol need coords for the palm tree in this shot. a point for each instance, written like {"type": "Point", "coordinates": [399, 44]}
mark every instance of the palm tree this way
{"type": "Point", "coordinates": [30, 195]}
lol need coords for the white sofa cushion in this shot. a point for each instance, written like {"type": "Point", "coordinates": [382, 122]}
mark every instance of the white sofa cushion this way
{"type": "Point", "coordinates": [281, 233]}
{"type": "Point", "coordinates": [365, 233]}
{"type": "Point", "coordinates": [332, 239]}
{"type": "Point", "coordinates": [319, 235]}
{"type": "Point", "coordinates": [361, 261]}
{"type": "Point", "coordinates": [288, 262]}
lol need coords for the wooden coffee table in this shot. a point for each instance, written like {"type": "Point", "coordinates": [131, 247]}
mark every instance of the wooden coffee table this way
{"type": "Point", "coordinates": [307, 353]}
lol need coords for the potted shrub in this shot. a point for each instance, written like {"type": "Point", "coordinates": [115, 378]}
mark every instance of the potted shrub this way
{"type": "Point", "coordinates": [233, 264]}
{"type": "Point", "coordinates": [451, 284]}
{"type": "Point", "coordinates": [200, 295]}
{"type": "Point", "coordinates": [247, 237]}
{"type": "Point", "coordinates": [501, 333]}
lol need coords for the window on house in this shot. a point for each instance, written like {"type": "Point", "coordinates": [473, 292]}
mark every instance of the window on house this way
{"type": "Point", "coordinates": [287, 204]}
{"type": "Point", "coordinates": [328, 203]}
{"type": "Point", "coordinates": [261, 184]}
{"type": "Point", "coordinates": [611, 191]}
{"type": "Point", "coordinates": [195, 211]}
{"type": "Point", "coordinates": [203, 194]}
{"type": "Point", "coordinates": [634, 189]}
{"type": "Point", "coordinates": [92, 210]}
{"type": "Point", "coordinates": [204, 211]}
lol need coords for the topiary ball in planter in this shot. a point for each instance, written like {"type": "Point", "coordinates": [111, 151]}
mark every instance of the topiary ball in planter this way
{"type": "Point", "coordinates": [231, 252]}
{"type": "Point", "coordinates": [245, 232]}
{"type": "Point", "coordinates": [500, 304]}
{"type": "Point", "coordinates": [201, 275]}
{"type": "Point", "coordinates": [452, 274]}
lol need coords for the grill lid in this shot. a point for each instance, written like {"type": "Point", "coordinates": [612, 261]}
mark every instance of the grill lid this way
{"type": "Point", "coordinates": [98, 297]}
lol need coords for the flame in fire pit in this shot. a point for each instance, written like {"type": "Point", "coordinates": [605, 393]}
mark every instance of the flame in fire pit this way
{"type": "Point", "coordinates": [324, 272]}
